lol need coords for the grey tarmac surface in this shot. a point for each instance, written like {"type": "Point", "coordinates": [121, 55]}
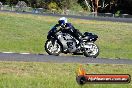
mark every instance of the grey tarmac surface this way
{"type": "Point", "coordinates": [59, 59]}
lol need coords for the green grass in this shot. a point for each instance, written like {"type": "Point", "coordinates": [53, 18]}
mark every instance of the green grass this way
{"type": "Point", "coordinates": [27, 33]}
{"type": "Point", "coordinates": [55, 75]}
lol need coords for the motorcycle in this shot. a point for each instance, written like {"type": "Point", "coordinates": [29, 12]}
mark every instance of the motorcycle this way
{"type": "Point", "coordinates": [65, 43]}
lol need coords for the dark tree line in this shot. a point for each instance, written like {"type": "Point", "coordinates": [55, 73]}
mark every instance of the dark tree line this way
{"type": "Point", "coordinates": [112, 6]}
{"type": "Point", "coordinates": [123, 6]}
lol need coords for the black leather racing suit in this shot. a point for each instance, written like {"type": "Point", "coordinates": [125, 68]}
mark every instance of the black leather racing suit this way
{"type": "Point", "coordinates": [68, 28]}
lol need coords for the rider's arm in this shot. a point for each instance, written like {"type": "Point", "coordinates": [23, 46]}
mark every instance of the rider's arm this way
{"type": "Point", "coordinates": [68, 26]}
{"type": "Point", "coordinates": [53, 29]}
{"type": "Point", "coordinates": [73, 29]}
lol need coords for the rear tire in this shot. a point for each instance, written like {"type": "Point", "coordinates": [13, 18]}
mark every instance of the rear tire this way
{"type": "Point", "coordinates": [49, 48]}
{"type": "Point", "coordinates": [94, 51]}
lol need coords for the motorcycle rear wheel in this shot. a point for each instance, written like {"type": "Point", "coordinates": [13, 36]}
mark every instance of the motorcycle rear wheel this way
{"type": "Point", "coordinates": [91, 52]}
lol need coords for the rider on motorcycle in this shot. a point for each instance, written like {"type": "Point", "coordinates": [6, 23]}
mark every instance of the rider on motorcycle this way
{"type": "Point", "coordinates": [66, 27]}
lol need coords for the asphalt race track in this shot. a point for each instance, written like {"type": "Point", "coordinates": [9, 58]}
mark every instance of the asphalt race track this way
{"type": "Point", "coordinates": [59, 59]}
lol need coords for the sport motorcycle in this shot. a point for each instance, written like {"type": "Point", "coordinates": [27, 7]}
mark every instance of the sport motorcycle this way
{"type": "Point", "coordinates": [60, 42]}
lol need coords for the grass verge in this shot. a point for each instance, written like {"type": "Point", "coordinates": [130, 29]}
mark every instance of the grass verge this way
{"type": "Point", "coordinates": [55, 75]}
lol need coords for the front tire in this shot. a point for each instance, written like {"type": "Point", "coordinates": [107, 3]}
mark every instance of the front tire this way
{"type": "Point", "coordinates": [52, 49]}
{"type": "Point", "coordinates": [92, 50]}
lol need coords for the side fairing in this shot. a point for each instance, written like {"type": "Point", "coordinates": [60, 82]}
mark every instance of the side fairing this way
{"type": "Point", "coordinates": [68, 42]}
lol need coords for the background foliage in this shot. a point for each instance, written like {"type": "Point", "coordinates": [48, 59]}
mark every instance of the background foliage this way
{"type": "Point", "coordinates": [122, 6]}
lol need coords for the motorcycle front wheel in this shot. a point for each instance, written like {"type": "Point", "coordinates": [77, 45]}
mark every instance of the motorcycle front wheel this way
{"type": "Point", "coordinates": [52, 49]}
